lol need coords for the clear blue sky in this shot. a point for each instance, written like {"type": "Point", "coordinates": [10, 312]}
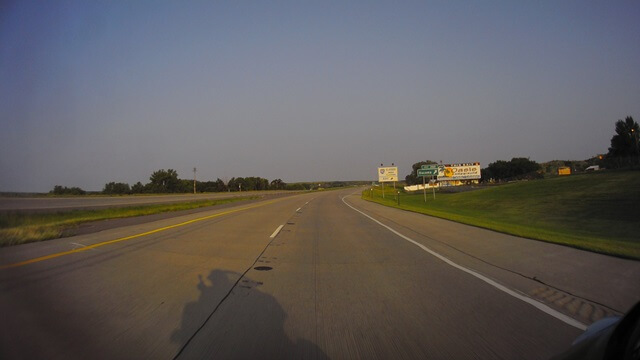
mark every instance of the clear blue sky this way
{"type": "Point", "coordinates": [100, 91]}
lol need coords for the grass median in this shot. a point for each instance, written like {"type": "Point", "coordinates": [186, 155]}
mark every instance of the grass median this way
{"type": "Point", "coordinates": [598, 212]}
{"type": "Point", "coordinates": [18, 227]}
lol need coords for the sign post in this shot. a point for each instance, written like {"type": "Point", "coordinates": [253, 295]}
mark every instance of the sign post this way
{"type": "Point", "coordinates": [424, 189]}
{"type": "Point", "coordinates": [424, 171]}
{"type": "Point", "coordinates": [434, 191]}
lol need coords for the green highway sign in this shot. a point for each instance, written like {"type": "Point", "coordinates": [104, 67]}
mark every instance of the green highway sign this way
{"type": "Point", "coordinates": [430, 167]}
{"type": "Point", "coordinates": [428, 172]}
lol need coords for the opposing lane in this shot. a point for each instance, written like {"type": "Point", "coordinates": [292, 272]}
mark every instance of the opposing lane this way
{"type": "Point", "coordinates": [96, 202]}
{"type": "Point", "coordinates": [340, 286]}
{"type": "Point", "coordinates": [126, 299]}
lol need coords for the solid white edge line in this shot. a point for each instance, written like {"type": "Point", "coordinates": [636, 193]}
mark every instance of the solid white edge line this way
{"type": "Point", "coordinates": [275, 233]}
{"type": "Point", "coordinates": [538, 305]}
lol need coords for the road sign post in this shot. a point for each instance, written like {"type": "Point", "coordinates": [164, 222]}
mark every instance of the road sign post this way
{"type": "Point", "coordinates": [434, 191]}
{"type": "Point", "coordinates": [424, 171]}
{"type": "Point", "coordinates": [424, 189]}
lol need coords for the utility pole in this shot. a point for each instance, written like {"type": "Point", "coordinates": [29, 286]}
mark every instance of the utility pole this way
{"type": "Point", "coordinates": [194, 181]}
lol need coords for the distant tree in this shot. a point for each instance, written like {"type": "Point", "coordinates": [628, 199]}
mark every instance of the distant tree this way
{"type": "Point", "coordinates": [261, 183]}
{"type": "Point", "coordinates": [234, 184]}
{"type": "Point", "coordinates": [63, 190]}
{"type": "Point", "coordinates": [116, 188]}
{"type": "Point", "coordinates": [487, 175]}
{"type": "Point", "coordinates": [206, 186]}
{"type": "Point", "coordinates": [624, 149]}
{"type": "Point", "coordinates": [296, 186]}
{"type": "Point", "coordinates": [221, 185]}
{"type": "Point", "coordinates": [412, 178]}
{"type": "Point", "coordinates": [164, 181]}
{"type": "Point", "coordinates": [523, 166]}
{"type": "Point", "coordinates": [277, 184]}
{"type": "Point", "coordinates": [335, 184]}
{"type": "Point", "coordinates": [516, 168]}
{"type": "Point", "coordinates": [185, 186]}
{"type": "Point", "coordinates": [137, 188]}
{"type": "Point", "coordinates": [248, 184]}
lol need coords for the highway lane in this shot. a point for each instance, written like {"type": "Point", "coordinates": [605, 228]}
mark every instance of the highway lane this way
{"type": "Point", "coordinates": [125, 300]}
{"type": "Point", "coordinates": [340, 286]}
{"type": "Point", "coordinates": [96, 202]}
{"type": "Point", "coordinates": [525, 264]}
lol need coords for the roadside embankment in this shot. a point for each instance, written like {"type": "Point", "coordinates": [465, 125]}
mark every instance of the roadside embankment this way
{"type": "Point", "coordinates": [598, 212]}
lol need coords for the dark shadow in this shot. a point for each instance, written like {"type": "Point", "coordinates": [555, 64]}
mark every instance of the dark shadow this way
{"type": "Point", "coordinates": [233, 319]}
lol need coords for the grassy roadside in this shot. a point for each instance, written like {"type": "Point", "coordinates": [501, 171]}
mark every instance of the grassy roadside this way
{"type": "Point", "coordinates": [18, 228]}
{"type": "Point", "coordinates": [598, 212]}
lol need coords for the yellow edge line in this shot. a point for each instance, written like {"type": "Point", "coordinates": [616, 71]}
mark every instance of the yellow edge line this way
{"type": "Point", "coordinates": [108, 242]}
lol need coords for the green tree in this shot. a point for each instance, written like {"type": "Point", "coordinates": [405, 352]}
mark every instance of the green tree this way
{"type": "Point", "coordinates": [236, 184]}
{"type": "Point", "coordinates": [220, 185]}
{"type": "Point", "coordinates": [116, 188]}
{"type": "Point", "coordinates": [185, 186]}
{"type": "Point", "coordinates": [63, 190]}
{"type": "Point", "coordinates": [137, 188]}
{"type": "Point", "coordinates": [295, 186]}
{"type": "Point", "coordinates": [277, 184]}
{"type": "Point", "coordinates": [164, 181]}
{"type": "Point", "coordinates": [261, 183]}
{"type": "Point", "coordinates": [516, 168]}
{"type": "Point", "coordinates": [624, 144]}
{"type": "Point", "coordinates": [412, 178]}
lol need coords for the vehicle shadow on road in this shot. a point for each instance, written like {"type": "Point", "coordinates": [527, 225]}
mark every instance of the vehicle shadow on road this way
{"type": "Point", "coordinates": [244, 323]}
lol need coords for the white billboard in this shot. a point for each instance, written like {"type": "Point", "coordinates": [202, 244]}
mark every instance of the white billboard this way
{"type": "Point", "coordinates": [469, 171]}
{"type": "Point", "coordinates": [387, 174]}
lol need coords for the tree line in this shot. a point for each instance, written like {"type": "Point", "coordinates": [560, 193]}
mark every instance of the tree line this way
{"type": "Point", "coordinates": [168, 182]}
{"type": "Point", "coordinates": [623, 153]}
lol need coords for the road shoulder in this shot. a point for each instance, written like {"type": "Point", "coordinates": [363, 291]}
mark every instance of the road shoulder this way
{"type": "Point", "coordinates": [581, 284]}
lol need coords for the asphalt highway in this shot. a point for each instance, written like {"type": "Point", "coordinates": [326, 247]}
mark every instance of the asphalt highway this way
{"type": "Point", "coordinates": [317, 275]}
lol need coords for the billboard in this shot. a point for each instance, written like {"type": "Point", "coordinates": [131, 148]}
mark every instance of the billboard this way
{"type": "Point", "coordinates": [564, 170]}
{"type": "Point", "coordinates": [387, 174]}
{"type": "Point", "coordinates": [469, 171]}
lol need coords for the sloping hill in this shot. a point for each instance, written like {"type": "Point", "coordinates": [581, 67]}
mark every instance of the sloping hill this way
{"type": "Point", "coordinates": [596, 211]}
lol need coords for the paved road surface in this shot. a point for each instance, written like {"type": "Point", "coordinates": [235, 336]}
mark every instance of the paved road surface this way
{"type": "Point", "coordinates": [94, 202]}
{"type": "Point", "coordinates": [332, 283]}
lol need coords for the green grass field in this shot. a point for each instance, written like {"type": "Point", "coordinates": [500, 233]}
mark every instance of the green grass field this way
{"type": "Point", "coordinates": [18, 228]}
{"type": "Point", "coordinates": [599, 212]}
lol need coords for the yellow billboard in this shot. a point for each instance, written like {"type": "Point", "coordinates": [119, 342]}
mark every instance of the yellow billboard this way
{"type": "Point", "coordinates": [387, 174]}
{"type": "Point", "coordinates": [468, 171]}
{"type": "Point", "coordinates": [565, 170]}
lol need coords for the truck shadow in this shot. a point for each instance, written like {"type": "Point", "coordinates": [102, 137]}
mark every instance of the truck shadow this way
{"type": "Point", "coordinates": [241, 323]}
